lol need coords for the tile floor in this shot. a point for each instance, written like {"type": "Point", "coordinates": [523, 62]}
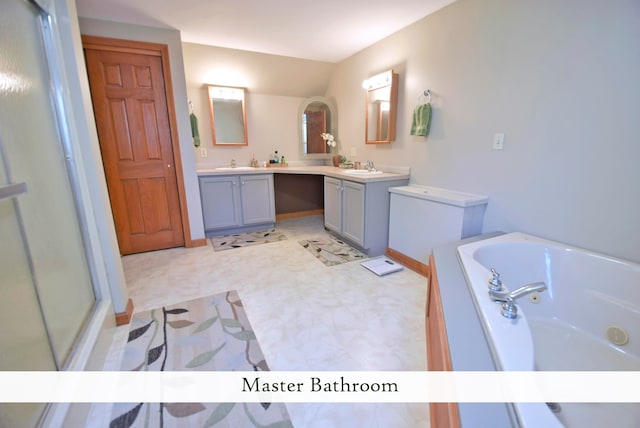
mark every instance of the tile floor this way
{"type": "Point", "coordinates": [306, 316]}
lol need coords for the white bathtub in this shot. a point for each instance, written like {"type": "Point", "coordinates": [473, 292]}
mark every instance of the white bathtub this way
{"type": "Point", "coordinates": [591, 302]}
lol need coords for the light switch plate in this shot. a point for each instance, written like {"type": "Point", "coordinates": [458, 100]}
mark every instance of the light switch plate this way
{"type": "Point", "coordinates": [353, 152]}
{"type": "Point", "coordinates": [498, 141]}
{"type": "Point", "coordinates": [203, 152]}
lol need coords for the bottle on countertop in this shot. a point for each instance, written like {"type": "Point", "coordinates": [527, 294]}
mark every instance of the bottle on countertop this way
{"type": "Point", "coordinates": [276, 158]}
{"type": "Point", "coordinates": [282, 161]}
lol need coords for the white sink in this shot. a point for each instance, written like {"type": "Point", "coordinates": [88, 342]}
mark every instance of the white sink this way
{"type": "Point", "coordinates": [361, 172]}
{"type": "Point", "coordinates": [235, 168]}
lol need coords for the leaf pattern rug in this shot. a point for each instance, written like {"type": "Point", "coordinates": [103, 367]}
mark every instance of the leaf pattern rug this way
{"type": "Point", "coordinates": [332, 251]}
{"type": "Point", "coordinates": [207, 334]}
{"type": "Point", "coordinates": [238, 240]}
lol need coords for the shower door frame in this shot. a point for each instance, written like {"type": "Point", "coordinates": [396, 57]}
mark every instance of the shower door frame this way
{"type": "Point", "coordinates": [57, 35]}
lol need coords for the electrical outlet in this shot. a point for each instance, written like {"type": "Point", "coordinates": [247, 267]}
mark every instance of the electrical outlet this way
{"type": "Point", "coordinates": [353, 152]}
{"type": "Point", "coordinates": [203, 152]}
{"type": "Point", "coordinates": [498, 141]}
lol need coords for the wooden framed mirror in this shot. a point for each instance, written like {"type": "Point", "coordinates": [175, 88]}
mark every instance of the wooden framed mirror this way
{"type": "Point", "coordinates": [316, 116]}
{"type": "Point", "coordinates": [228, 116]}
{"type": "Point", "coordinates": [381, 108]}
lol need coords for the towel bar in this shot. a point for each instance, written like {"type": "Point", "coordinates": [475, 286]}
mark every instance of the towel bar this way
{"type": "Point", "coordinates": [425, 93]}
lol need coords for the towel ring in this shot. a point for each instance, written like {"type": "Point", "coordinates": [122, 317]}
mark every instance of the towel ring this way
{"type": "Point", "coordinates": [425, 93]}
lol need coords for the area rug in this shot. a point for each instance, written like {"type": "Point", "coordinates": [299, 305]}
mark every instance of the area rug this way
{"type": "Point", "coordinates": [207, 334]}
{"type": "Point", "coordinates": [238, 240]}
{"type": "Point", "coordinates": [332, 251]}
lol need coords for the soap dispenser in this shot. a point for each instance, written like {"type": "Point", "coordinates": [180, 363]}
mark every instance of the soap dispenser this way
{"type": "Point", "coordinates": [276, 158]}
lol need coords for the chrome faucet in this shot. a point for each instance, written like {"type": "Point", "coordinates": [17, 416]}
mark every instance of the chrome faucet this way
{"type": "Point", "coordinates": [508, 298]}
{"type": "Point", "coordinates": [503, 296]}
{"type": "Point", "coordinates": [369, 165]}
{"type": "Point", "coordinates": [233, 163]}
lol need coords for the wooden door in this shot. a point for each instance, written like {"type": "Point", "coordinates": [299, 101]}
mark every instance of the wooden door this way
{"type": "Point", "coordinates": [132, 118]}
{"type": "Point", "coordinates": [316, 125]}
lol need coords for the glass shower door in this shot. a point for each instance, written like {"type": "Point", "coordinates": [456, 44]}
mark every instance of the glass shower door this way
{"type": "Point", "coordinates": [22, 332]}
{"type": "Point", "coordinates": [46, 288]}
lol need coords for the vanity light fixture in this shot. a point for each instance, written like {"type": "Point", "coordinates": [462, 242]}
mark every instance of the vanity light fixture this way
{"type": "Point", "coordinates": [377, 81]}
{"type": "Point", "coordinates": [226, 93]}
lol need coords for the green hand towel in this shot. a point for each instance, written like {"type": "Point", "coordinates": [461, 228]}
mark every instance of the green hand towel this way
{"type": "Point", "coordinates": [421, 120]}
{"type": "Point", "coordinates": [194, 130]}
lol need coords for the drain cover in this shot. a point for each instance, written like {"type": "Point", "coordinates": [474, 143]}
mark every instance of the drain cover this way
{"type": "Point", "coordinates": [617, 335]}
{"type": "Point", "coordinates": [534, 297]}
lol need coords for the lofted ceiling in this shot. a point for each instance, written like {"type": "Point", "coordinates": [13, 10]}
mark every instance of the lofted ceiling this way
{"type": "Point", "coordinates": [322, 30]}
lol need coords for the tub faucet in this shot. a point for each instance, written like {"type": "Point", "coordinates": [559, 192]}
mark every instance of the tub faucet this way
{"type": "Point", "coordinates": [508, 298]}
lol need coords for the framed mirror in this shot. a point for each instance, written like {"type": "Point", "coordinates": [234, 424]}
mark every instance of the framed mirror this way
{"type": "Point", "coordinates": [381, 108]}
{"type": "Point", "coordinates": [316, 116]}
{"type": "Point", "coordinates": [228, 116]}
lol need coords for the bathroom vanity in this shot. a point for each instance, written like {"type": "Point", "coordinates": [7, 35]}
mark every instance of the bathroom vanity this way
{"type": "Point", "coordinates": [236, 203]}
{"type": "Point", "coordinates": [359, 212]}
{"type": "Point", "coordinates": [356, 203]}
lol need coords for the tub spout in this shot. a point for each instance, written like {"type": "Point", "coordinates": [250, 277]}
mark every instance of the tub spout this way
{"type": "Point", "coordinates": [508, 298]}
{"type": "Point", "coordinates": [504, 296]}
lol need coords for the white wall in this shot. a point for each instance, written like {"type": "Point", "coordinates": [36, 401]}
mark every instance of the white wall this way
{"type": "Point", "coordinates": [560, 79]}
{"type": "Point", "coordinates": [276, 87]}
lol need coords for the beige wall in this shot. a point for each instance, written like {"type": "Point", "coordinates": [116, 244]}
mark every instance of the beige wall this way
{"type": "Point", "coordinates": [276, 87]}
{"type": "Point", "coordinates": [560, 79]}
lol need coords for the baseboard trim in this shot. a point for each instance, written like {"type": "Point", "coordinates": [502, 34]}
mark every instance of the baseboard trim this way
{"type": "Point", "coordinates": [192, 243]}
{"type": "Point", "coordinates": [297, 214]}
{"type": "Point", "coordinates": [123, 318]}
{"type": "Point", "coordinates": [411, 263]}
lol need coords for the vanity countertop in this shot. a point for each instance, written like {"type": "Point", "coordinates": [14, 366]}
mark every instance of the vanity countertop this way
{"type": "Point", "coordinates": [330, 171]}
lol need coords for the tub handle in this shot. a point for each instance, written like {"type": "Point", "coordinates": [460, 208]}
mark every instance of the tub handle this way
{"type": "Point", "coordinates": [495, 284]}
{"type": "Point", "coordinates": [509, 309]}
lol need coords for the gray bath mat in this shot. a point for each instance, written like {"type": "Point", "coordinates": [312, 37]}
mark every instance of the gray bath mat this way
{"type": "Point", "coordinates": [332, 251]}
{"type": "Point", "coordinates": [238, 240]}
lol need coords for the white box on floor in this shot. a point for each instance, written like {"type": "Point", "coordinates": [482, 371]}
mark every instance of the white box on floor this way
{"type": "Point", "coordinates": [382, 266]}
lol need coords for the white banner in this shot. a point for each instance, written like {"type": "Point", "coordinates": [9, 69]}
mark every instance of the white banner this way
{"type": "Point", "coordinates": [320, 387]}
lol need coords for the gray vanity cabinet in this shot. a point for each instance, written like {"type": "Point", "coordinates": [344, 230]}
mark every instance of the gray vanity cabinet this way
{"type": "Point", "coordinates": [235, 203]}
{"type": "Point", "coordinates": [359, 212]}
{"type": "Point", "coordinates": [344, 209]}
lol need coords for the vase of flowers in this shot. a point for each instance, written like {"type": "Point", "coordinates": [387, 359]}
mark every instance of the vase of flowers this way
{"type": "Point", "coordinates": [329, 139]}
{"type": "Point", "coordinates": [331, 142]}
